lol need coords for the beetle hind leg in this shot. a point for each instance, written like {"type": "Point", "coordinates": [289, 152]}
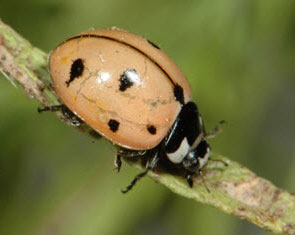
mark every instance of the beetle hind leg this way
{"type": "Point", "coordinates": [118, 163]}
{"type": "Point", "coordinates": [52, 108]}
{"type": "Point", "coordinates": [134, 181]}
{"type": "Point", "coordinates": [68, 114]}
{"type": "Point", "coordinates": [151, 164]}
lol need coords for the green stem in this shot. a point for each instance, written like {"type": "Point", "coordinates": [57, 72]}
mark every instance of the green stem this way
{"type": "Point", "coordinates": [233, 189]}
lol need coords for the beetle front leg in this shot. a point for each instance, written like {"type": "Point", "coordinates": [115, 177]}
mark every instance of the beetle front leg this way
{"type": "Point", "coordinates": [189, 179]}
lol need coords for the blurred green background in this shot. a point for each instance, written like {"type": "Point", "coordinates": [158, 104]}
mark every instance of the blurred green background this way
{"type": "Point", "coordinates": [239, 57]}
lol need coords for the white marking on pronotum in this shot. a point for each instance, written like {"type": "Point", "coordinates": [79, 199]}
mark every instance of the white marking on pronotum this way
{"type": "Point", "coordinates": [180, 153]}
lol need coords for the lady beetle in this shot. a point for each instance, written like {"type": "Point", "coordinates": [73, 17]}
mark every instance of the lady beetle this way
{"type": "Point", "coordinates": [129, 91]}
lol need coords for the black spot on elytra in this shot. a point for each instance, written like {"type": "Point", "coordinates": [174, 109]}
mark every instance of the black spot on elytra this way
{"type": "Point", "coordinates": [125, 79]}
{"type": "Point", "coordinates": [114, 125]}
{"type": "Point", "coordinates": [178, 94]}
{"type": "Point", "coordinates": [153, 44]}
{"type": "Point", "coordinates": [152, 129]}
{"type": "Point", "coordinates": [77, 69]}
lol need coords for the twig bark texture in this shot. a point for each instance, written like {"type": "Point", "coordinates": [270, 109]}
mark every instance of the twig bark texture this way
{"type": "Point", "coordinates": [234, 189]}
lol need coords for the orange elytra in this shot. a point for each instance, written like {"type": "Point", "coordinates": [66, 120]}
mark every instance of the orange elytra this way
{"type": "Point", "coordinates": [121, 84]}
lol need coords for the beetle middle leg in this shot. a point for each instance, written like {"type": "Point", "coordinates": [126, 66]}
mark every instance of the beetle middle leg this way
{"type": "Point", "coordinates": [127, 153]}
{"type": "Point", "coordinates": [151, 164]}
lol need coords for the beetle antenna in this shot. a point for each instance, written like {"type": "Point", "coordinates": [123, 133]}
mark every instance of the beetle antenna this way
{"type": "Point", "coordinates": [203, 180]}
{"type": "Point", "coordinates": [217, 129]}
{"type": "Point", "coordinates": [220, 160]}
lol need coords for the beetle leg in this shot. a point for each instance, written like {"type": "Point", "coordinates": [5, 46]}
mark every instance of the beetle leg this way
{"type": "Point", "coordinates": [52, 108]}
{"type": "Point", "coordinates": [118, 163]}
{"type": "Point", "coordinates": [151, 164]}
{"type": "Point", "coordinates": [133, 182]}
{"type": "Point", "coordinates": [68, 114]}
{"type": "Point", "coordinates": [189, 179]}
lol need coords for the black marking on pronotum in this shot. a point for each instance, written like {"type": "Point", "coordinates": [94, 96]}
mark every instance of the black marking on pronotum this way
{"type": "Point", "coordinates": [151, 129]}
{"type": "Point", "coordinates": [125, 43]}
{"type": "Point", "coordinates": [126, 80]}
{"type": "Point", "coordinates": [202, 149]}
{"type": "Point", "coordinates": [178, 94]}
{"type": "Point", "coordinates": [77, 69]}
{"type": "Point", "coordinates": [153, 44]}
{"type": "Point", "coordinates": [114, 125]}
{"type": "Point", "coordinates": [187, 125]}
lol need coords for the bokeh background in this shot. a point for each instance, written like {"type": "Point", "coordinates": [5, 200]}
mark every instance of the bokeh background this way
{"type": "Point", "coordinates": [239, 57]}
